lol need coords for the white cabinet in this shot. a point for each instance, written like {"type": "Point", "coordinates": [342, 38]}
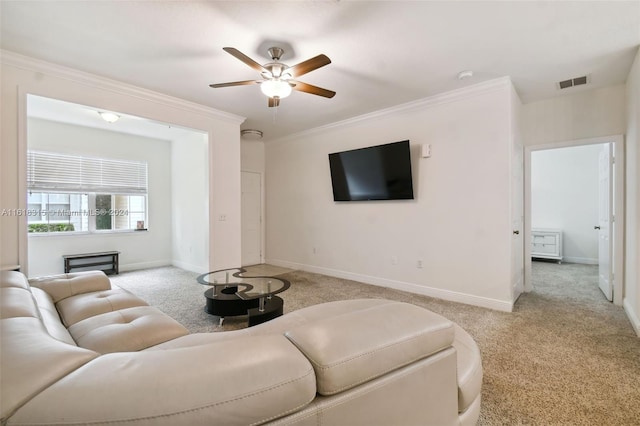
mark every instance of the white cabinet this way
{"type": "Point", "coordinates": [546, 243]}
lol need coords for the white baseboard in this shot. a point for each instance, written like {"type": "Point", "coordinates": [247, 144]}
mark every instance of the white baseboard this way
{"type": "Point", "coordinates": [583, 260]}
{"type": "Point", "coordinates": [189, 266]}
{"type": "Point", "coordinates": [632, 315]}
{"type": "Point", "coordinates": [438, 293]}
{"type": "Point", "coordinates": [143, 265]}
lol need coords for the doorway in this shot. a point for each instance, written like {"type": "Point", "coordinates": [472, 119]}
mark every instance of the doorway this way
{"type": "Point", "coordinates": [586, 220]}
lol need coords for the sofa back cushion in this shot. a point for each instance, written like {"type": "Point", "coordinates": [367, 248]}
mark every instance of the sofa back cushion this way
{"type": "Point", "coordinates": [65, 285]}
{"type": "Point", "coordinates": [50, 317]}
{"type": "Point", "coordinates": [349, 349]}
{"type": "Point", "coordinates": [19, 299]}
{"type": "Point", "coordinates": [31, 360]}
{"type": "Point", "coordinates": [236, 382]}
{"type": "Point", "coordinates": [17, 302]}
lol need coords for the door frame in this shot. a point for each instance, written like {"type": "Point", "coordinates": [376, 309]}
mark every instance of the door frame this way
{"type": "Point", "coordinates": [262, 212]}
{"type": "Point", "coordinates": [617, 207]}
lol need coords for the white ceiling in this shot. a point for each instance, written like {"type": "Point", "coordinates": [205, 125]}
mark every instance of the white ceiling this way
{"type": "Point", "coordinates": [383, 53]}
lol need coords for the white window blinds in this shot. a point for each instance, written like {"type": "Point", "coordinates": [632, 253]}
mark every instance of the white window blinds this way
{"type": "Point", "coordinates": [49, 172]}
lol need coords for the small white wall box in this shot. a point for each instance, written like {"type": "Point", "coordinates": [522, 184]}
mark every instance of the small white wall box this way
{"type": "Point", "coordinates": [426, 150]}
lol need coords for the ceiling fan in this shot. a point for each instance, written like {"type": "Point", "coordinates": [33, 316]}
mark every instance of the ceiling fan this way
{"type": "Point", "coordinates": [278, 79]}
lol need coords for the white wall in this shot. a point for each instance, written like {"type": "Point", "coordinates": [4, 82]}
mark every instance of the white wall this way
{"type": "Point", "coordinates": [22, 76]}
{"type": "Point", "coordinates": [581, 115]}
{"type": "Point", "coordinates": [632, 244]}
{"type": "Point", "coordinates": [458, 225]}
{"type": "Point", "coordinates": [138, 249]}
{"type": "Point", "coordinates": [564, 195]}
{"type": "Point", "coordinates": [190, 205]}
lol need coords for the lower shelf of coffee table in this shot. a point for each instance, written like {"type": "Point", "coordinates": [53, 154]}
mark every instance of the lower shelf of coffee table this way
{"type": "Point", "coordinates": [225, 303]}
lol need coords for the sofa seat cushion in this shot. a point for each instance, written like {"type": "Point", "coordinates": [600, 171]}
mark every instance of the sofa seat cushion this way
{"type": "Point", "coordinates": [82, 306]}
{"type": "Point", "coordinates": [126, 330]}
{"type": "Point", "coordinates": [31, 360]}
{"type": "Point", "coordinates": [469, 367]}
{"type": "Point", "coordinates": [349, 349]}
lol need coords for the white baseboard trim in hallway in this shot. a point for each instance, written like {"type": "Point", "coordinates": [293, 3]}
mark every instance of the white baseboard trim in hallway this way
{"type": "Point", "coordinates": [451, 296]}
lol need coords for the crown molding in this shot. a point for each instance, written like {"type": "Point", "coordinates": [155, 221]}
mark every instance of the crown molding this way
{"type": "Point", "coordinates": [81, 77]}
{"type": "Point", "coordinates": [417, 105]}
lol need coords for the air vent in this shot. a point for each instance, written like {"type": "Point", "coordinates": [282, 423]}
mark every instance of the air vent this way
{"type": "Point", "coordinates": [573, 82]}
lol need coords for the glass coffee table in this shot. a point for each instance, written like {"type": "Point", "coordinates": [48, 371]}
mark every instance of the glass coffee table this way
{"type": "Point", "coordinates": [235, 291]}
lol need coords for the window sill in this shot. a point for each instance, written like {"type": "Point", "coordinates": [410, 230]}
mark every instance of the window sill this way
{"type": "Point", "coordinates": [84, 233]}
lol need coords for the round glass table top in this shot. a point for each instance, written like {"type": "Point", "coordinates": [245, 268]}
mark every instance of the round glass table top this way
{"type": "Point", "coordinates": [248, 286]}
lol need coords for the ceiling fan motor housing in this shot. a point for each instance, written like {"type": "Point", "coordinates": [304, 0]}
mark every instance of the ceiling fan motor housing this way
{"type": "Point", "coordinates": [276, 70]}
{"type": "Point", "coordinates": [275, 53]}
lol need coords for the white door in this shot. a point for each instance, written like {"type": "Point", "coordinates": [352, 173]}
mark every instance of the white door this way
{"type": "Point", "coordinates": [251, 218]}
{"type": "Point", "coordinates": [605, 224]}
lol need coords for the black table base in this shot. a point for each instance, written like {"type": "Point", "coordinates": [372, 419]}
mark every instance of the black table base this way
{"type": "Point", "coordinates": [272, 309]}
{"type": "Point", "coordinates": [254, 296]}
{"type": "Point", "coordinates": [226, 303]}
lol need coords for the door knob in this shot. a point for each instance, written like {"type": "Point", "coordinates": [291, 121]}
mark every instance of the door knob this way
{"type": "Point", "coordinates": [516, 232]}
{"type": "Point", "coordinates": [596, 227]}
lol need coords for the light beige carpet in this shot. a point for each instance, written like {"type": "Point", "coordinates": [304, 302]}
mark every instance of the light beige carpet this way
{"type": "Point", "coordinates": [565, 356]}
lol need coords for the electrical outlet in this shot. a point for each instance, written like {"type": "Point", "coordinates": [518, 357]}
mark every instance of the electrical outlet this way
{"type": "Point", "coordinates": [394, 260]}
{"type": "Point", "coordinates": [314, 250]}
{"type": "Point", "coordinates": [419, 264]}
{"type": "Point", "coordinates": [222, 217]}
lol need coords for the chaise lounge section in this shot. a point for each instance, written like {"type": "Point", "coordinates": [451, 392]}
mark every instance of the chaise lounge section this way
{"type": "Point", "coordinates": [77, 350]}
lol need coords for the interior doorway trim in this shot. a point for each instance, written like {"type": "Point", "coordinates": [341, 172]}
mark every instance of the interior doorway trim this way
{"type": "Point", "coordinates": [618, 207]}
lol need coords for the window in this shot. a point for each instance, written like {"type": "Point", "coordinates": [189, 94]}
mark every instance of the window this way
{"type": "Point", "coordinates": [82, 194]}
{"type": "Point", "coordinates": [116, 211]}
{"type": "Point", "coordinates": [55, 212]}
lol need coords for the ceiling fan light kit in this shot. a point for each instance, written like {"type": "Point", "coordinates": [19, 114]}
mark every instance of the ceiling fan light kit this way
{"type": "Point", "coordinates": [278, 78]}
{"type": "Point", "coordinates": [275, 88]}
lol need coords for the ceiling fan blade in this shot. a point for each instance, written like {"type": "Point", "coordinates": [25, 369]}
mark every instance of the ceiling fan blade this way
{"type": "Point", "coordinates": [309, 65]}
{"type": "Point", "coordinates": [234, 83]}
{"type": "Point", "coordinates": [244, 58]}
{"type": "Point", "coordinates": [274, 102]}
{"type": "Point", "coordinates": [314, 90]}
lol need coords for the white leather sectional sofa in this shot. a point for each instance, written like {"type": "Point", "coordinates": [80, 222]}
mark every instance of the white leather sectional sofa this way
{"type": "Point", "coordinates": [76, 350]}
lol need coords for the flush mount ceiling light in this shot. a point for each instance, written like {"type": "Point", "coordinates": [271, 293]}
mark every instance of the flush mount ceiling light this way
{"type": "Point", "coordinates": [251, 134]}
{"type": "Point", "coordinates": [109, 117]}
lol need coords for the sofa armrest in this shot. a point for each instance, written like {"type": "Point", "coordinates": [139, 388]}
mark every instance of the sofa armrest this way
{"type": "Point", "coordinates": [66, 285]}
{"type": "Point", "coordinates": [349, 349]}
{"type": "Point", "coordinates": [236, 382]}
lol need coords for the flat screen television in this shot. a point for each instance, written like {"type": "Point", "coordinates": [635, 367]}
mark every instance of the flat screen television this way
{"type": "Point", "coordinates": [381, 172]}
